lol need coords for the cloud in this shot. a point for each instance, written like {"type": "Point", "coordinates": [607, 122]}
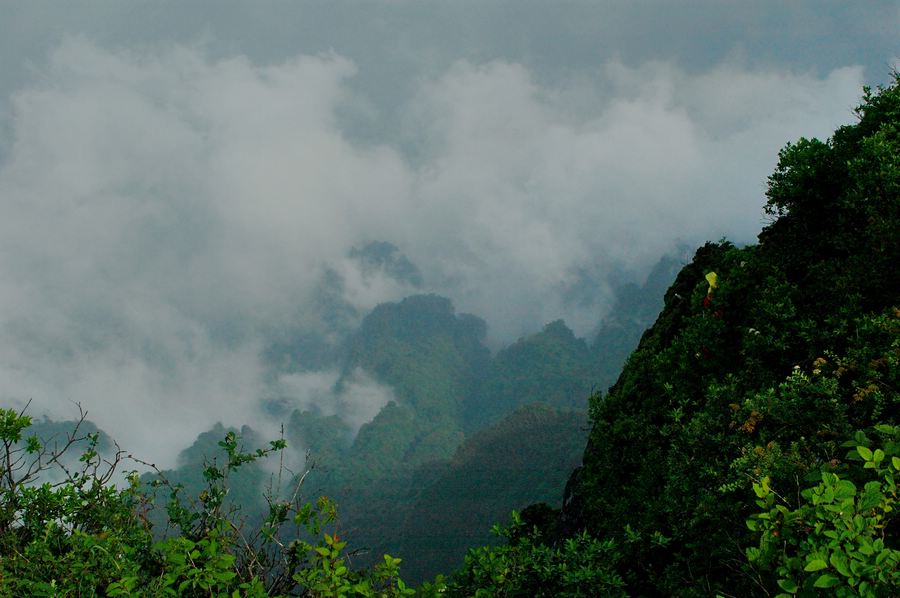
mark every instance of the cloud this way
{"type": "Point", "coordinates": [357, 399]}
{"type": "Point", "coordinates": [159, 212]}
{"type": "Point", "coordinates": [527, 185]}
{"type": "Point", "coordinates": [163, 214]}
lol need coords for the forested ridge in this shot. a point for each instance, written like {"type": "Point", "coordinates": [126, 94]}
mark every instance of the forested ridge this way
{"type": "Point", "coordinates": [762, 377]}
{"type": "Point", "coordinates": [750, 446]}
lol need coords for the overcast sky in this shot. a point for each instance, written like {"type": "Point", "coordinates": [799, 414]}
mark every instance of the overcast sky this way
{"type": "Point", "coordinates": [177, 177]}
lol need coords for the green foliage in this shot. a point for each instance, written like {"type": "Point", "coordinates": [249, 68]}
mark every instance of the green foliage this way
{"type": "Point", "coordinates": [328, 435]}
{"type": "Point", "coordinates": [328, 575]}
{"type": "Point", "coordinates": [527, 566]}
{"type": "Point", "coordinates": [296, 550]}
{"type": "Point", "coordinates": [83, 536]}
{"type": "Point", "coordinates": [839, 536]}
{"type": "Point", "coordinates": [837, 202]}
{"type": "Point", "coordinates": [70, 537]}
{"type": "Point", "coordinates": [796, 348]}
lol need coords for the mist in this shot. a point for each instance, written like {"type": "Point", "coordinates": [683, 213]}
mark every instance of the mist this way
{"type": "Point", "coordinates": [166, 211]}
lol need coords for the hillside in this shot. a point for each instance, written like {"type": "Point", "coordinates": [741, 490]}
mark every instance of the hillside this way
{"type": "Point", "coordinates": [764, 374]}
{"type": "Point", "coordinates": [523, 459]}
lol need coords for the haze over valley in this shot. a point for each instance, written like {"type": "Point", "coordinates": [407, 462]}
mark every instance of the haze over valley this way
{"type": "Point", "coordinates": [187, 192]}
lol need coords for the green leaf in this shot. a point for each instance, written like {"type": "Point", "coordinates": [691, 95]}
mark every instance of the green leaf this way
{"type": "Point", "coordinates": [826, 581]}
{"type": "Point", "coordinates": [788, 585]}
{"type": "Point", "coordinates": [870, 499]}
{"type": "Point", "coordinates": [762, 489]}
{"type": "Point", "coordinates": [845, 489]}
{"type": "Point", "coordinates": [840, 563]}
{"type": "Point", "coordinates": [881, 557]}
{"type": "Point", "coordinates": [816, 565]}
{"type": "Point", "coordinates": [864, 452]}
{"type": "Point", "coordinates": [895, 461]}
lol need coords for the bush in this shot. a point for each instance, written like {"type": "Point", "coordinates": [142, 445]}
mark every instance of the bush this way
{"type": "Point", "coordinates": [527, 566]}
{"type": "Point", "coordinates": [83, 536]}
{"type": "Point", "coordinates": [836, 538]}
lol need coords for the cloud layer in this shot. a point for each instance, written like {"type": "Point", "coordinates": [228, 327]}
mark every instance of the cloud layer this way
{"type": "Point", "coordinates": [163, 214]}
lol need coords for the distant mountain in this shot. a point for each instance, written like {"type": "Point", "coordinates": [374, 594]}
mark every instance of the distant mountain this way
{"type": "Point", "coordinates": [552, 367]}
{"type": "Point", "coordinates": [433, 360]}
{"type": "Point", "coordinates": [55, 434]}
{"type": "Point", "coordinates": [330, 318]}
{"type": "Point", "coordinates": [634, 310]}
{"type": "Point", "coordinates": [385, 258]}
{"type": "Point", "coordinates": [523, 459]}
{"type": "Point", "coordinates": [467, 437]}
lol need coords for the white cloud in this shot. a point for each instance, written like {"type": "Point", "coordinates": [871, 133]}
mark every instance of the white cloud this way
{"type": "Point", "coordinates": [359, 398]}
{"type": "Point", "coordinates": [162, 212]}
{"type": "Point", "coordinates": [524, 190]}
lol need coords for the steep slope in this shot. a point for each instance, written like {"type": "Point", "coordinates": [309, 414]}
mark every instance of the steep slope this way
{"type": "Point", "coordinates": [634, 310]}
{"type": "Point", "coordinates": [432, 358]}
{"type": "Point", "coordinates": [762, 371]}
